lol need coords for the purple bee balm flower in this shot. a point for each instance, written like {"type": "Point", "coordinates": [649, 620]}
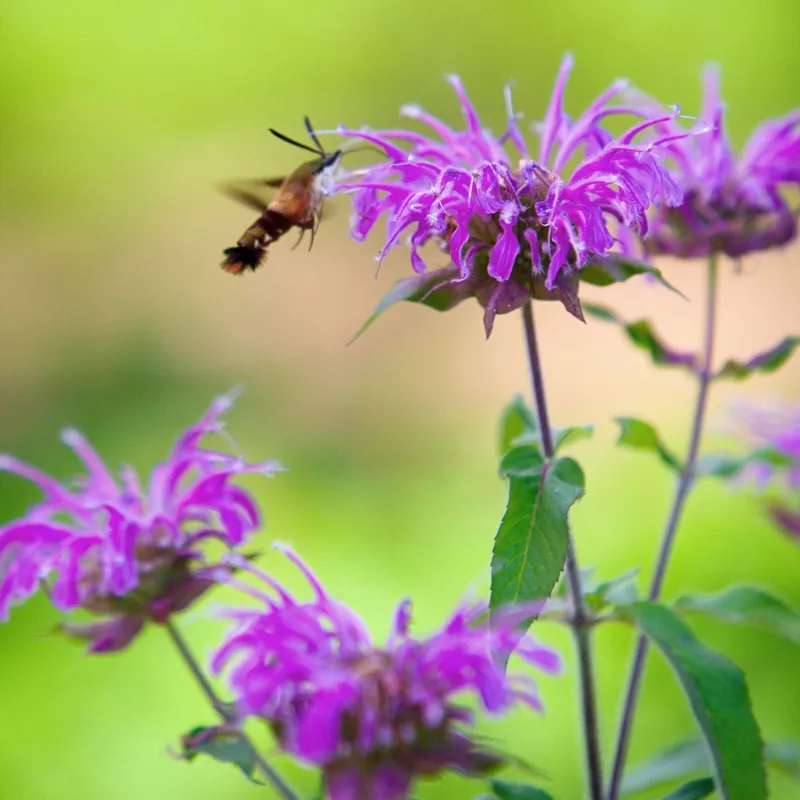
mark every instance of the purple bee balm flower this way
{"type": "Point", "coordinates": [125, 552]}
{"type": "Point", "coordinates": [732, 205]}
{"type": "Point", "coordinates": [513, 228]}
{"type": "Point", "coordinates": [373, 718]}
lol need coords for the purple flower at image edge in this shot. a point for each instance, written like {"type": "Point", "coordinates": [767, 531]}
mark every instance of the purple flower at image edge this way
{"type": "Point", "coordinates": [121, 551]}
{"type": "Point", "coordinates": [733, 204]}
{"type": "Point", "coordinates": [775, 431]}
{"type": "Point", "coordinates": [513, 231]}
{"type": "Point", "coordinates": [374, 719]}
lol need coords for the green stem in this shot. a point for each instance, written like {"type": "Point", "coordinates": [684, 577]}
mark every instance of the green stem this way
{"type": "Point", "coordinates": [579, 620]}
{"type": "Point", "coordinates": [224, 710]}
{"type": "Point", "coordinates": [682, 491]}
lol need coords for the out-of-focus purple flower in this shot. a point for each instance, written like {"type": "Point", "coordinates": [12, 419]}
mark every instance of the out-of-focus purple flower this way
{"type": "Point", "coordinates": [514, 229]}
{"type": "Point", "coordinates": [733, 204]}
{"type": "Point", "coordinates": [373, 718]}
{"type": "Point", "coordinates": [122, 551]}
{"type": "Point", "coordinates": [774, 430]}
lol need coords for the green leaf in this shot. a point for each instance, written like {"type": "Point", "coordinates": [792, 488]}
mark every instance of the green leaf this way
{"type": "Point", "coordinates": [598, 595]}
{"type": "Point", "coordinates": [531, 543]}
{"type": "Point", "coordinates": [436, 290]}
{"type": "Point", "coordinates": [644, 337]}
{"type": "Point", "coordinates": [570, 435]}
{"type": "Point", "coordinates": [694, 790]}
{"type": "Point", "coordinates": [768, 361]}
{"type": "Point", "coordinates": [518, 425]}
{"type": "Point", "coordinates": [746, 605]}
{"type": "Point", "coordinates": [643, 436]}
{"type": "Point", "coordinates": [518, 791]}
{"type": "Point", "coordinates": [516, 420]}
{"type": "Point", "coordinates": [617, 591]}
{"type": "Point", "coordinates": [617, 269]}
{"type": "Point", "coordinates": [677, 762]}
{"type": "Point", "coordinates": [721, 465]}
{"type": "Point", "coordinates": [717, 692]}
{"type": "Point", "coordinates": [691, 758]}
{"type": "Point", "coordinates": [222, 744]}
{"type": "Point", "coordinates": [784, 756]}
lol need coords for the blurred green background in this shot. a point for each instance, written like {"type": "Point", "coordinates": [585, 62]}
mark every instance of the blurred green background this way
{"type": "Point", "coordinates": [118, 119]}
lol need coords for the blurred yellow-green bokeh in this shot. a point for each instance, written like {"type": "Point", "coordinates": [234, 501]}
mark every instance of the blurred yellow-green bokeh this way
{"type": "Point", "coordinates": [117, 121]}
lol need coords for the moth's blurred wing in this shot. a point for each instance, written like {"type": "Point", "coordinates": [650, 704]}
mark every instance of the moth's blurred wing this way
{"type": "Point", "coordinates": [256, 193]}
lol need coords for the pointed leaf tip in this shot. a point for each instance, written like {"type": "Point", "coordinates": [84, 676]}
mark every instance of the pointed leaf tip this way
{"type": "Point", "coordinates": [222, 744]}
{"type": "Point", "coordinates": [503, 790]}
{"type": "Point", "coordinates": [607, 270]}
{"type": "Point", "coordinates": [766, 362]}
{"type": "Point", "coordinates": [439, 290]}
{"type": "Point", "coordinates": [746, 605]}
{"type": "Point", "coordinates": [641, 334]}
{"type": "Point", "coordinates": [642, 436]}
{"type": "Point", "coordinates": [694, 790]}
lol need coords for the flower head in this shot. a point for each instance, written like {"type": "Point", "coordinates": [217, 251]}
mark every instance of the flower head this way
{"type": "Point", "coordinates": [373, 718]}
{"type": "Point", "coordinates": [126, 552]}
{"type": "Point", "coordinates": [775, 432]}
{"type": "Point", "coordinates": [732, 205]}
{"type": "Point", "coordinates": [513, 229]}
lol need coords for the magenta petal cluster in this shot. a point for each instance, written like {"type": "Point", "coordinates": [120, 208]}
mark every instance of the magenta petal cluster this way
{"type": "Point", "coordinates": [775, 432]}
{"type": "Point", "coordinates": [374, 718]}
{"type": "Point", "coordinates": [124, 551]}
{"type": "Point", "coordinates": [733, 204]}
{"type": "Point", "coordinates": [510, 226]}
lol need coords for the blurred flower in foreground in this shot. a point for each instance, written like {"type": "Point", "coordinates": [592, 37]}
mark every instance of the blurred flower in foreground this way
{"type": "Point", "coordinates": [513, 230]}
{"type": "Point", "coordinates": [121, 551]}
{"type": "Point", "coordinates": [373, 718]}
{"type": "Point", "coordinates": [732, 205]}
{"type": "Point", "coordinates": [775, 430]}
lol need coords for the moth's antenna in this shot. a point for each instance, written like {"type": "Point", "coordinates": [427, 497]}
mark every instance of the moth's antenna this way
{"type": "Point", "coordinates": [313, 135]}
{"type": "Point", "coordinates": [295, 142]}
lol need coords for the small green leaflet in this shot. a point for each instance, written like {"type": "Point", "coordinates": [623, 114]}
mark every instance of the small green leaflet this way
{"type": "Point", "coordinates": [719, 698]}
{"type": "Point", "coordinates": [531, 543]}
{"type": "Point", "coordinates": [784, 756]}
{"type": "Point", "coordinates": [678, 762]}
{"type": "Point", "coordinates": [746, 605]}
{"type": "Point", "coordinates": [607, 270]}
{"type": "Point", "coordinates": [570, 435]}
{"type": "Point", "coordinates": [768, 361]}
{"type": "Point", "coordinates": [691, 758]}
{"type": "Point", "coordinates": [599, 595]}
{"type": "Point", "coordinates": [644, 337]}
{"type": "Point", "coordinates": [720, 465]}
{"type": "Point", "coordinates": [433, 289]}
{"type": "Point", "coordinates": [641, 435]}
{"type": "Point", "coordinates": [694, 790]}
{"type": "Point", "coordinates": [222, 744]}
{"type": "Point", "coordinates": [504, 790]}
{"type": "Point", "coordinates": [518, 425]}
{"type": "Point", "coordinates": [516, 420]}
